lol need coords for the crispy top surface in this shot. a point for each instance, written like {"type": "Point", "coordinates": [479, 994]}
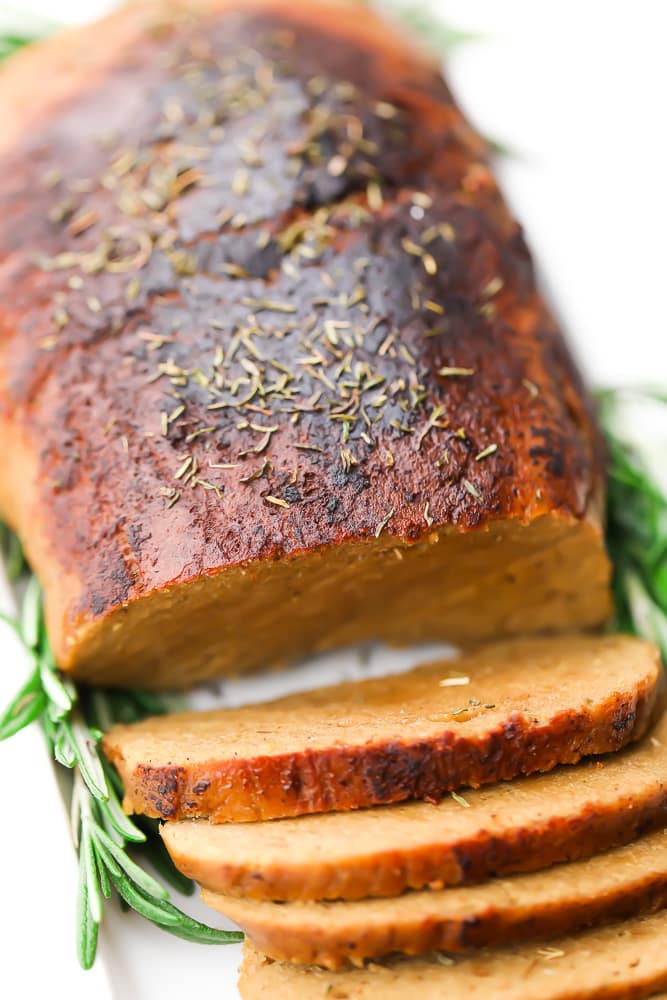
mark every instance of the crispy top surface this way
{"type": "Point", "coordinates": [535, 679]}
{"type": "Point", "coordinates": [262, 294]}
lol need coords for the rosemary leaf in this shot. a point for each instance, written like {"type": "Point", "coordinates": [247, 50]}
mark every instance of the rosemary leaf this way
{"type": "Point", "coordinates": [10, 549]}
{"type": "Point", "coordinates": [11, 43]}
{"type": "Point", "coordinates": [27, 706]}
{"type": "Point", "coordinates": [192, 930]}
{"type": "Point", "coordinates": [164, 914]}
{"type": "Point", "coordinates": [75, 811]}
{"type": "Point", "coordinates": [31, 611]}
{"type": "Point", "coordinates": [63, 748]}
{"type": "Point", "coordinates": [119, 821]}
{"type": "Point", "coordinates": [142, 879]}
{"type": "Point", "coordinates": [419, 17]}
{"type": "Point", "coordinates": [87, 927]}
{"type": "Point", "coordinates": [55, 690]}
{"type": "Point", "coordinates": [105, 884]}
{"type": "Point", "coordinates": [150, 704]}
{"type": "Point", "coordinates": [647, 617]}
{"type": "Point", "coordinates": [143, 903]}
{"type": "Point", "coordinates": [87, 759]}
{"type": "Point", "coordinates": [93, 894]}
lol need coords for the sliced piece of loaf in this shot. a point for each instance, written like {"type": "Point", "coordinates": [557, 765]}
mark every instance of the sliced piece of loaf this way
{"type": "Point", "coordinates": [517, 826]}
{"type": "Point", "coordinates": [612, 886]}
{"type": "Point", "coordinates": [507, 709]}
{"type": "Point", "coordinates": [625, 961]}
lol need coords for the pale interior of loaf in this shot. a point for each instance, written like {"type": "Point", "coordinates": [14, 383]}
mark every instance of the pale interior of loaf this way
{"type": "Point", "coordinates": [548, 575]}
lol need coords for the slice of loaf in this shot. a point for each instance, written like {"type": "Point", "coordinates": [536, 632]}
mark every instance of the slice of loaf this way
{"type": "Point", "coordinates": [518, 826]}
{"type": "Point", "coordinates": [626, 961]}
{"type": "Point", "coordinates": [275, 372]}
{"type": "Point", "coordinates": [508, 709]}
{"type": "Point", "coordinates": [612, 886]}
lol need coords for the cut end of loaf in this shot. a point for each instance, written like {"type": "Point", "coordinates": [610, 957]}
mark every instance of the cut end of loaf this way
{"type": "Point", "coordinates": [461, 587]}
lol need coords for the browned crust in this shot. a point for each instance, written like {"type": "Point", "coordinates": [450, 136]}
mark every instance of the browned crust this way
{"type": "Point", "coordinates": [615, 886]}
{"type": "Point", "coordinates": [469, 860]}
{"type": "Point", "coordinates": [87, 465]}
{"type": "Point", "coordinates": [240, 789]}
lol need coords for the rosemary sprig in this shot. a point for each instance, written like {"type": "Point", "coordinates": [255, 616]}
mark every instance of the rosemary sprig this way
{"type": "Point", "coordinates": [636, 523]}
{"type": "Point", "coordinates": [73, 721]}
{"type": "Point", "coordinates": [11, 553]}
{"type": "Point", "coordinates": [419, 17]}
{"type": "Point", "coordinates": [30, 28]}
{"type": "Point", "coordinates": [10, 43]}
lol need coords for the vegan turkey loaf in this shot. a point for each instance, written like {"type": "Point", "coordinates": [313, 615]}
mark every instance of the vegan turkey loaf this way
{"type": "Point", "coordinates": [275, 375]}
{"type": "Point", "coordinates": [516, 826]}
{"type": "Point", "coordinates": [510, 708]}
{"type": "Point", "coordinates": [612, 886]}
{"type": "Point", "coordinates": [625, 961]}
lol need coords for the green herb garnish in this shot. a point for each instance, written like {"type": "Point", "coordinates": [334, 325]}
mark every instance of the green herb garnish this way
{"type": "Point", "coordinates": [10, 43]}
{"type": "Point", "coordinates": [636, 523]}
{"type": "Point", "coordinates": [419, 17]}
{"type": "Point", "coordinates": [73, 720]}
{"type": "Point", "coordinates": [32, 28]}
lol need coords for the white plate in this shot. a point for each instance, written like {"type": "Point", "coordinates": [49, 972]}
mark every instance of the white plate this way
{"type": "Point", "coordinates": [577, 90]}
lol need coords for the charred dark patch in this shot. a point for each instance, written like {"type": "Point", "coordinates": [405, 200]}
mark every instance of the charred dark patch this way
{"type": "Point", "coordinates": [164, 787]}
{"type": "Point", "coordinates": [625, 719]}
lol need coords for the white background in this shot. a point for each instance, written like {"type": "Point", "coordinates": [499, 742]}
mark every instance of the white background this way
{"type": "Point", "coordinates": [577, 89]}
